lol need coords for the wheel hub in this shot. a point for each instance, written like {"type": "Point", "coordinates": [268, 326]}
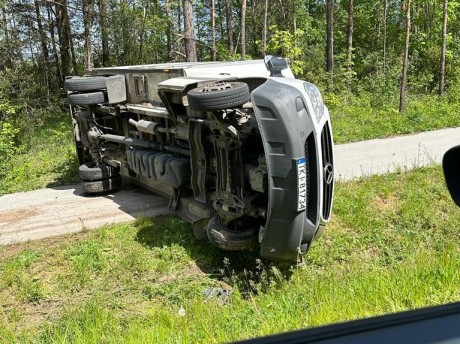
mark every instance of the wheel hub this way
{"type": "Point", "coordinates": [216, 86]}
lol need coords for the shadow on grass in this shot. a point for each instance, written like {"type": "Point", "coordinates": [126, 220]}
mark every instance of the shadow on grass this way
{"type": "Point", "coordinates": [244, 270]}
{"type": "Point", "coordinates": [67, 173]}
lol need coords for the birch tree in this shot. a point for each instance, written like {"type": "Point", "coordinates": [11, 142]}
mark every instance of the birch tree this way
{"type": "Point", "coordinates": [402, 94]}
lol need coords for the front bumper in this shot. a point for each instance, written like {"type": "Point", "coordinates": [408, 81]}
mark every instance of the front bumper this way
{"type": "Point", "coordinates": [290, 133]}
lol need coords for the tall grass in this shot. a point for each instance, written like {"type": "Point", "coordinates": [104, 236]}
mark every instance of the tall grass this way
{"type": "Point", "coordinates": [357, 118]}
{"type": "Point", "coordinates": [46, 158]}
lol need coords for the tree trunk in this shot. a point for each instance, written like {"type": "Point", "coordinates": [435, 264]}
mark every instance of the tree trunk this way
{"type": "Point", "coordinates": [350, 44]}
{"type": "Point", "coordinates": [403, 10]}
{"type": "Point", "coordinates": [220, 22]}
{"type": "Point", "coordinates": [190, 46]}
{"type": "Point", "coordinates": [169, 30]}
{"type": "Point", "coordinates": [30, 40]}
{"type": "Point", "coordinates": [213, 23]}
{"type": "Point", "coordinates": [5, 25]}
{"type": "Point", "coordinates": [62, 23]}
{"type": "Point", "coordinates": [253, 30]}
{"type": "Point", "coordinates": [43, 43]}
{"type": "Point", "coordinates": [7, 62]}
{"type": "Point", "coordinates": [179, 16]}
{"type": "Point", "coordinates": [14, 46]}
{"type": "Point", "coordinates": [442, 71]}
{"type": "Point", "coordinates": [41, 32]}
{"type": "Point", "coordinates": [402, 96]}
{"type": "Point", "coordinates": [228, 12]}
{"type": "Point", "coordinates": [330, 39]}
{"type": "Point", "coordinates": [243, 30]}
{"type": "Point", "coordinates": [264, 34]}
{"type": "Point", "coordinates": [88, 48]}
{"type": "Point", "coordinates": [125, 37]}
{"type": "Point", "coordinates": [104, 35]}
{"type": "Point", "coordinates": [72, 53]}
{"type": "Point", "coordinates": [54, 45]}
{"type": "Point", "coordinates": [198, 30]}
{"type": "Point", "coordinates": [142, 35]}
{"type": "Point", "coordinates": [385, 15]}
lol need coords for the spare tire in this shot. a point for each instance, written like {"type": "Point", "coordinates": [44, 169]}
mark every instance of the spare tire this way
{"type": "Point", "coordinates": [101, 186]}
{"type": "Point", "coordinates": [87, 98]}
{"type": "Point", "coordinates": [82, 84]}
{"type": "Point", "coordinates": [218, 96]}
{"type": "Point", "coordinates": [225, 239]}
{"type": "Point", "coordinates": [92, 172]}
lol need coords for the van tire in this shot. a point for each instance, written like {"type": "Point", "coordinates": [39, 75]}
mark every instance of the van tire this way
{"type": "Point", "coordinates": [91, 98]}
{"type": "Point", "coordinates": [91, 172]}
{"type": "Point", "coordinates": [85, 84]}
{"type": "Point", "coordinates": [102, 186]}
{"type": "Point", "coordinates": [218, 96]}
{"type": "Point", "coordinates": [222, 237]}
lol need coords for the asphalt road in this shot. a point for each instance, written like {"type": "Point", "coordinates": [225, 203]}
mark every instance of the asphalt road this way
{"type": "Point", "coordinates": [358, 159]}
{"type": "Point", "coordinates": [63, 210]}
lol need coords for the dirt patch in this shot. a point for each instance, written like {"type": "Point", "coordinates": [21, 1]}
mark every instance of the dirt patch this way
{"type": "Point", "coordinates": [191, 270]}
{"type": "Point", "coordinates": [371, 253]}
{"type": "Point", "coordinates": [46, 310]}
{"type": "Point", "coordinates": [17, 216]}
{"type": "Point", "coordinates": [47, 244]}
{"type": "Point", "coordinates": [386, 203]}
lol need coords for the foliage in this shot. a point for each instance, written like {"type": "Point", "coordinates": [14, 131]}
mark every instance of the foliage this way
{"type": "Point", "coordinates": [284, 43]}
{"type": "Point", "coordinates": [49, 160]}
{"type": "Point", "coordinates": [32, 132]}
{"type": "Point", "coordinates": [8, 148]}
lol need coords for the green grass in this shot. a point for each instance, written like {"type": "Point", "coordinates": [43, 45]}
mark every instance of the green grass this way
{"type": "Point", "coordinates": [50, 160]}
{"type": "Point", "coordinates": [393, 244]}
{"type": "Point", "coordinates": [366, 117]}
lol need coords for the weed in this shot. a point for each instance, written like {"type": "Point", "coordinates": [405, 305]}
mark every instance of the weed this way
{"type": "Point", "coordinates": [255, 278]}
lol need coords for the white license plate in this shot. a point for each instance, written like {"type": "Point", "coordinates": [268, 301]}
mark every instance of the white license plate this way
{"type": "Point", "coordinates": [301, 184]}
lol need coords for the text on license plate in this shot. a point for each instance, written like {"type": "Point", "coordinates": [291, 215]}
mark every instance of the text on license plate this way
{"type": "Point", "coordinates": [301, 184]}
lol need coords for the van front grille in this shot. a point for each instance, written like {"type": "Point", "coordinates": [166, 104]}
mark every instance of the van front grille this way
{"type": "Point", "coordinates": [312, 178]}
{"type": "Point", "coordinates": [328, 171]}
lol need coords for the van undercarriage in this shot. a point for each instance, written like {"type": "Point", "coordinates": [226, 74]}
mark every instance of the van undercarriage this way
{"type": "Point", "coordinates": [243, 152]}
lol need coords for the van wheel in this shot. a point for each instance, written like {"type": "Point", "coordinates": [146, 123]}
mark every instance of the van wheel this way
{"type": "Point", "coordinates": [102, 186]}
{"type": "Point", "coordinates": [84, 84]}
{"type": "Point", "coordinates": [225, 239]}
{"type": "Point", "coordinates": [218, 96]}
{"type": "Point", "coordinates": [91, 98]}
{"type": "Point", "coordinates": [90, 172]}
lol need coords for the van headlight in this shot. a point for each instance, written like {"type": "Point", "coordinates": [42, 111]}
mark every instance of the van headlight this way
{"type": "Point", "coordinates": [316, 99]}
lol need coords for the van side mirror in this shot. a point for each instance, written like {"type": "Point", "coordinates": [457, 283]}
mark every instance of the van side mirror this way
{"type": "Point", "coordinates": [451, 167]}
{"type": "Point", "coordinates": [275, 65]}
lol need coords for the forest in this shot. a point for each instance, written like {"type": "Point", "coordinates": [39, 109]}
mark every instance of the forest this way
{"type": "Point", "coordinates": [385, 67]}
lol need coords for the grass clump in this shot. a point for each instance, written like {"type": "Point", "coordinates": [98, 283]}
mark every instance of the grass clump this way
{"type": "Point", "coordinates": [392, 245]}
{"type": "Point", "coordinates": [364, 117]}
